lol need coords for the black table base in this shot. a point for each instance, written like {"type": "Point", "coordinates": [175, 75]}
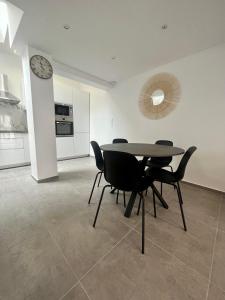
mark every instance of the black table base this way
{"type": "Point", "coordinates": [133, 196]}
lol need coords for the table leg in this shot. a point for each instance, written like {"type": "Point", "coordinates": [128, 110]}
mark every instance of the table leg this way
{"type": "Point", "coordinates": [113, 191]}
{"type": "Point", "coordinates": [159, 196]}
{"type": "Point", "coordinates": [130, 205]}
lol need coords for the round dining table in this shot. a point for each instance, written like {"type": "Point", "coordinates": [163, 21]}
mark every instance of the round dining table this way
{"type": "Point", "coordinates": [146, 151]}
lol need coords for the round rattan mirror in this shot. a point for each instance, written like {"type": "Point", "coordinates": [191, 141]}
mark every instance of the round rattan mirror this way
{"type": "Point", "coordinates": [159, 96]}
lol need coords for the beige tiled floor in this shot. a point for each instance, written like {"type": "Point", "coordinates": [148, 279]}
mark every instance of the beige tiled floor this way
{"type": "Point", "coordinates": [49, 249]}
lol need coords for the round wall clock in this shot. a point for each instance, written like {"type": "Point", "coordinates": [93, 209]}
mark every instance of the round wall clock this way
{"type": "Point", "coordinates": [41, 67]}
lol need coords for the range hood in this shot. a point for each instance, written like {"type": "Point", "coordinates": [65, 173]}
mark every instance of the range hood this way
{"type": "Point", "coordinates": [5, 95]}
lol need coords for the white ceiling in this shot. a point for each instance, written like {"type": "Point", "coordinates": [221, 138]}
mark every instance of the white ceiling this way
{"type": "Point", "coordinates": [128, 29]}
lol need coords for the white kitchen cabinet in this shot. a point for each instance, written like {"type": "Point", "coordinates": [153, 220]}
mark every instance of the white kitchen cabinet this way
{"type": "Point", "coordinates": [81, 111]}
{"type": "Point", "coordinates": [65, 147]}
{"type": "Point", "coordinates": [63, 93]}
{"type": "Point", "coordinates": [11, 143]}
{"type": "Point", "coordinates": [11, 157]}
{"type": "Point", "coordinates": [81, 141]}
{"type": "Point", "coordinates": [13, 149]}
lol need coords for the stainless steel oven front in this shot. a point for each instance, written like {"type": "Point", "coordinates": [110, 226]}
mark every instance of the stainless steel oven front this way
{"type": "Point", "coordinates": [63, 128]}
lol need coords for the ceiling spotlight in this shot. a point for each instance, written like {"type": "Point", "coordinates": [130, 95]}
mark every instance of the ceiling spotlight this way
{"type": "Point", "coordinates": [164, 26]}
{"type": "Point", "coordinates": [67, 27]}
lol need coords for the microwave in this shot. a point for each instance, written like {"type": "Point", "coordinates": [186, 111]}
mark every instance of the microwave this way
{"type": "Point", "coordinates": [63, 112]}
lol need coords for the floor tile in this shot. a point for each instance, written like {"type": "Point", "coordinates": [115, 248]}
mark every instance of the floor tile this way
{"type": "Point", "coordinates": [46, 236]}
{"type": "Point", "coordinates": [218, 270]}
{"type": "Point", "coordinates": [125, 271]}
{"type": "Point", "coordinates": [82, 244]}
{"type": "Point", "coordinates": [215, 293]}
{"type": "Point", "coordinates": [77, 293]}
{"type": "Point", "coordinates": [200, 204]}
{"type": "Point", "coordinates": [33, 268]}
{"type": "Point", "coordinates": [222, 215]}
{"type": "Point", "coordinates": [193, 247]}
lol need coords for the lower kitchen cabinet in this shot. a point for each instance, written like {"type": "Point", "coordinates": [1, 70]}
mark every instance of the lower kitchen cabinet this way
{"type": "Point", "coordinates": [11, 157]}
{"type": "Point", "coordinates": [65, 147]}
{"type": "Point", "coordinates": [82, 143]}
{"type": "Point", "coordinates": [13, 149]}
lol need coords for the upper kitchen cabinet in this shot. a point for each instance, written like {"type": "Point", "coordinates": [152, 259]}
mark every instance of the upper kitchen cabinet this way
{"type": "Point", "coordinates": [81, 111]}
{"type": "Point", "coordinates": [63, 93]}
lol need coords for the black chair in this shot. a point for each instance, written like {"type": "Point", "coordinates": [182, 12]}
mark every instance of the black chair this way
{"type": "Point", "coordinates": [99, 164]}
{"type": "Point", "coordinates": [119, 141]}
{"type": "Point", "coordinates": [173, 178]}
{"type": "Point", "coordinates": [123, 171]}
{"type": "Point", "coordinates": [161, 162]}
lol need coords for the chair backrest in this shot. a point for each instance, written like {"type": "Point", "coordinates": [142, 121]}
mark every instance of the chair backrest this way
{"type": "Point", "coordinates": [121, 170]}
{"type": "Point", "coordinates": [98, 155]}
{"type": "Point", "coordinates": [179, 174]}
{"type": "Point", "coordinates": [162, 161]}
{"type": "Point", "coordinates": [120, 141]}
{"type": "Point", "coordinates": [164, 142]}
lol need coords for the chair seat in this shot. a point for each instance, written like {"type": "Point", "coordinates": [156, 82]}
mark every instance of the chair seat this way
{"type": "Point", "coordinates": [141, 186]}
{"type": "Point", "coordinates": [161, 175]}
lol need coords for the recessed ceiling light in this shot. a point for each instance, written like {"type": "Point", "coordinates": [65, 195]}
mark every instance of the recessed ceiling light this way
{"type": "Point", "coordinates": [164, 26]}
{"type": "Point", "coordinates": [67, 27]}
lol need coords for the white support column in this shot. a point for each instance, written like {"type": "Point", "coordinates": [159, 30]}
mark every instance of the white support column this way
{"type": "Point", "coordinates": [41, 120]}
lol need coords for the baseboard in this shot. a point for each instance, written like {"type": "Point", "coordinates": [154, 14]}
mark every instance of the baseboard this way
{"type": "Point", "coordinates": [15, 166]}
{"type": "Point", "coordinates": [73, 157]}
{"type": "Point", "coordinates": [203, 187]}
{"type": "Point", "coordinates": [53, 178]}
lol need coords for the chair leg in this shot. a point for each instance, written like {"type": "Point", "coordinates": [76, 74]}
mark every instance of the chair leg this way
{"type": "Point", "coordinates": [124, 199]}
{"type": "Point", "coordinates": [139, 205]}
{"type": "Point", "coordinates": [99, 204]}
{"type": "Point", "coordinates": [117, 197]}
{"type": "Point", "coordinates": [161, 188]}
{"type": "Point", "coordinates": [89, 201]}
{"type": "Point", "coordinates": [100, 179]}
{"type": "Point", "coordinates": [181, 205]}
{"type": "Point", "coordinates": [154, 205]}
{"type": "Point", "coordinates": [143, 224]}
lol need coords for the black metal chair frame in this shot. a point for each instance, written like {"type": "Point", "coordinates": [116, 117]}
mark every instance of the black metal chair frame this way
{"type": "Point", "coordinates": [166, 143]}
{"type": "Point", "coordinates": [119, 141]}
{"type": "Point", "coordinates": [99, 162]}
{"type": "Point", "coordinates": [143, 215]}
{"type": "Point", "coordinates": [179, 176]}
{"type": "Point", "coordinates": [142, 201]}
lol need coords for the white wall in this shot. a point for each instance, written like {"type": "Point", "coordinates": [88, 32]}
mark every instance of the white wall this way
{"type": "Point", "coordinates": [11, 65]}
{"type": "Point", "coordinates": [199, 119]}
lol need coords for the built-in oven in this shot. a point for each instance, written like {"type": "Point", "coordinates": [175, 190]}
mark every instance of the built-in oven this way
{"type": "Point", "coordinates": [63, 128]}
{"type": "Point", "coordinates": [63, 119]}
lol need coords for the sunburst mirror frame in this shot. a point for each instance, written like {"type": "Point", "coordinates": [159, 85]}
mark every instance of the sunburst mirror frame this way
{"type": "Point", "coordinates": [170, 86]}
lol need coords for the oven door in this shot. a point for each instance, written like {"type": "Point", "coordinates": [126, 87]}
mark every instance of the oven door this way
{"type": "Point", "coordinates": [63, 128]}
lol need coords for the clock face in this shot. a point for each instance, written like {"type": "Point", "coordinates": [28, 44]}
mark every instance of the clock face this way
{"type": "Point", "coordinates": [41, 67]}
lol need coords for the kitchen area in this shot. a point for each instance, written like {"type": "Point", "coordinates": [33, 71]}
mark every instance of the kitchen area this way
{"type": "Point", "coordinates": [72, 116]}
